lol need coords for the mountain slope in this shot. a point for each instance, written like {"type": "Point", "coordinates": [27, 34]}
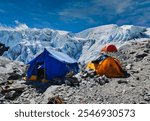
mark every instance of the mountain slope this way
{"type": "Point", "coordinates": [25, 42]}
{"type": "Point", "coordinates": [109, 34]}
{"type": "Point", "coordinates": [92, 89]}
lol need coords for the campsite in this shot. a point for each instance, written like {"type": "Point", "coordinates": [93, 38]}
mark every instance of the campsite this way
{"type": "Point", "coordinates": [115, 77]}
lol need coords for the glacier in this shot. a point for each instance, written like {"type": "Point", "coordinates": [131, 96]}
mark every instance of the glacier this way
{"type": "Point", "coordinates": [25, 43]}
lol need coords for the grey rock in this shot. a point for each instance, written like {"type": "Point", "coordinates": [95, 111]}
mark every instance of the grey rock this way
{"type": "Point", "coordinates": [12, 95]}
{"type": "Point", "coordinates": [67, 82]}
{"type": "Point", "coordinates": [72, 81]}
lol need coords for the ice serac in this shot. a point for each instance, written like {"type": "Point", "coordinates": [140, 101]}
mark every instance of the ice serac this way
{"type": "Point", "coordinates": [109, 34]}
{"type": "Point", "coordinates": [25, 42]}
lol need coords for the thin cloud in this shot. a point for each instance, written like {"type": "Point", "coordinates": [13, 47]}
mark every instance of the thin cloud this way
{"type": "Point", "coordinates": [86, 11]}
{"type": "Point", "coordinates": [115, 6]}
{"type": "Point", "coordinates": [97, 12]}
{"type": "Point", "coordinates": [68, 14]}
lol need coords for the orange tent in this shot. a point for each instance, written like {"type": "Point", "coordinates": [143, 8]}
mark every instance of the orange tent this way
{"type": "Point", "coordinates": [110, 67]}
{"type": "Point", "coordinates": [109, 48]}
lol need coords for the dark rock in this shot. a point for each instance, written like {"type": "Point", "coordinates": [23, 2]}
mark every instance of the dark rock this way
{"type": "Point", "coordinates": [14, 76]}
{"type": "Point", "coordinates": [122, 81]}
{"type": "Point", "coordinates": [132, 85]}
{"type": "Point", "coordinates": [147, 51]}
{"type": "Point", "coordinates": [132, 52]}
{"type": "Point", "coordinates": [135, 71]}
{"type": "Point", "coordinates": [137, 78]}
{"type": "Point", "coordinates": [146, 98]}
{"type": "Point", "coordinates": [3, 48]}
{"type": "Point", "coordinates": [139, 57]}
{"type": "Point", "coordinates": [12, 95]}
{"type": "Point", "coordinates": [106, 80]}
{"type": "Point", "coordinates": [101, 82]}
{"type": "Point", "coordinates": [147, 45]}
{"type": "Point", "coordinates": [72, 81]}
{"type": "Point", "coordinates": [57, 81]}
{"type": "Point", "coordinates": [2, 101]}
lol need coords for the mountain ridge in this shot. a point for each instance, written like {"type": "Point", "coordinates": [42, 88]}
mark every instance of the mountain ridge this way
{"type": "Point", "coordinates": [25, 43]}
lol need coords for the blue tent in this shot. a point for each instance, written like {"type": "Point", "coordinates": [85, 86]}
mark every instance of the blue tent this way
{"type": "Point", "coordinates": [54, 64]}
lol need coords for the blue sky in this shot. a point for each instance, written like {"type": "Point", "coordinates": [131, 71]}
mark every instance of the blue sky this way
{"type": "Point", "coordinates": [74, 15]}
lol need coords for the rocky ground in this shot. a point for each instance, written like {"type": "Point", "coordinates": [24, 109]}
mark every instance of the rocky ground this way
{"type": "Point", "coordinates": [91, 89]}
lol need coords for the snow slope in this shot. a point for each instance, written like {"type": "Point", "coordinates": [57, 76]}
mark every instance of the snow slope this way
{"type": "Point", "coordinates": [25, 42]}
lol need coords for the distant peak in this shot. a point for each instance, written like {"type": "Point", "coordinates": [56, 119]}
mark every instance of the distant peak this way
{"type": "Point", "coordinates": [16, 28]}
{"type": "Point", "coordinates": [21, 27]}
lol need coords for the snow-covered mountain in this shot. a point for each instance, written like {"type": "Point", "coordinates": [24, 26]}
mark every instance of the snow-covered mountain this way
{"type": "Point", "coordinates": [102, 35]}
{"type": "Point", "coordinates": [25, 42]}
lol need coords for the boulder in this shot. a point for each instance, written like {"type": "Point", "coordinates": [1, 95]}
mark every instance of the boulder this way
{"type": "Point", "coordinates": [72, 81]}
{"type": "Point", "coordinates": [12, 95]}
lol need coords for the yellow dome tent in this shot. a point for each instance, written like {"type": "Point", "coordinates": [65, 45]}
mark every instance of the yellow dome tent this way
{"type": "Point", "coordinates": [110, 67]}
